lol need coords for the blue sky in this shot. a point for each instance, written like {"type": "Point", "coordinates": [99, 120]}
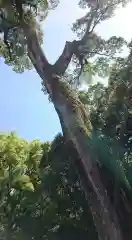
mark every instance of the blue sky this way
{"type": "Point", "coordinates": [23, 106]}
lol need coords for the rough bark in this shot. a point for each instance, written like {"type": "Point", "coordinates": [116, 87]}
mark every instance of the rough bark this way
{"type": "Point", "coordinates": [73, 118]}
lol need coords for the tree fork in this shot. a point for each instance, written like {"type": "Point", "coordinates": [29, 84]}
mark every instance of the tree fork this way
{"type": "Point", "coordinates": [73, 117]}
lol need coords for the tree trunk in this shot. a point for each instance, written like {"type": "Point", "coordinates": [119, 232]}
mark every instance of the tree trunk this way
{"type": "Point", "coordinates": [74, 118]}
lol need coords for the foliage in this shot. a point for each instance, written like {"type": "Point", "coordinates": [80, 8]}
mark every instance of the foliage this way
{"type": "Point", "coordinates": [42, 193]}
{"type": "Point", "coordinates": [90, 49]}
{"type": "Point", "coordinates": [41, 196]}
{"type": "Point", "coordinates": [111, 115]}
{"type": "Point", "coordinates": [10, 26]}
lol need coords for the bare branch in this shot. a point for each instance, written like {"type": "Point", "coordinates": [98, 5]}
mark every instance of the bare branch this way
{"type": "Point", "coordinates": [82, 20]}
{"type": "Point", "coordinates": [85, 37]}
{"type": "Point", "coordinates": [33, 43]}
{"type": "Point", "coordinates": [101, 54]}
{"type": "Point", "coordinates": [34, 64]}
{"type": "Point", "coordinates": [40, 61]}
{"type": "Point", "coordinates": [63, 61]}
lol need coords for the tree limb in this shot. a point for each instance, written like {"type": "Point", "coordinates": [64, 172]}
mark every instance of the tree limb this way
{"type": "Point", "coordinates": [63, 61]}
{"type": "Point", "coordinates": [33, 43]}
{"type": "Point", "coordinates": [71, 47]}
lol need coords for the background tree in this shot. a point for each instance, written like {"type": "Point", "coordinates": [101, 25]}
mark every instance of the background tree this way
{"type": "Point", "coordinates": [110, 114]}
{"type": "Point", "coordinates": [52, 206]}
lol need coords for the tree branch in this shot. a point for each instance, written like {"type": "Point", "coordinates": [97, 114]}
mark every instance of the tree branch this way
{"type": "Point", "coordinates": [70, 48]}
{"type": "Point", "coordinates": [33, 43]}
{"type": "Point", "coordinates": [63, 61]}
{"type": "Point", "coordinates": [101, 54]}
{"type": "Point", "coordinates": [85, 37]}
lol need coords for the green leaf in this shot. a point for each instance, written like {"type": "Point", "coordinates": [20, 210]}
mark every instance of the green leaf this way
{"type": "Point", "coordinates": [28, 186]}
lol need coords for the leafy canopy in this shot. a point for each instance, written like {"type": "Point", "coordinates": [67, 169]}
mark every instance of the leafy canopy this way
{"type": "Point", "coordinates": [93, 54]}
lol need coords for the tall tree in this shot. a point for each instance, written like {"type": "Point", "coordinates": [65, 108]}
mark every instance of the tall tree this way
{"type": "Point", "coordinates": [20, 26]}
